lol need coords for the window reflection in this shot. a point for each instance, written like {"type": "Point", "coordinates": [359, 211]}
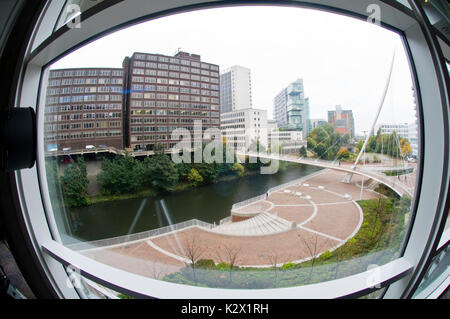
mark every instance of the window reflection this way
{"type": "Point", "coordinates": [189, 168]}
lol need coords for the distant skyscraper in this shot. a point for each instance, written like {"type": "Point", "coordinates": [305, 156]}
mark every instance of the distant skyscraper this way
{"type": "Point", "coordinates": [342, 121]}
{"type": "Point", "coordinates": [235, 89]}
{"type": "Point", "coordinates": [291, 108]}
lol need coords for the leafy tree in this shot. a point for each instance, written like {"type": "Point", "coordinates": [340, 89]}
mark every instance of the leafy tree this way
{"type": "Point", "coordinates": [324, 141]}
{"type": "Point", "coordinates": [123, 174]}
{"type": "Point", "coordinates": [160, 172]}
{"type": "Point", "coordinates": [406, 147]}
{"type": "Point", "coordinates": [343, 154]}
{"type": "Point", "coordinates": [251, 162]}
{"type": "Point", "coordinates": [194, 178]}
{"type": "Point", "coordinates": [303, 152]}
{"type": "Point", "coordinates": [239, 169]}
{"type": "Point", "coordinates": [183, 170]}
{"type": "Point", "coordinates": [74, 184]}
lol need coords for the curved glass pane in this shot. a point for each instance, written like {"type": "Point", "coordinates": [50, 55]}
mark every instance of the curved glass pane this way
{"type": "Point", "coordinates": [234, 155]}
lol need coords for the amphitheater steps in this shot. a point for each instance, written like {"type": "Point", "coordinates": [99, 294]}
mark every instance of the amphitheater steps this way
{"type": "Point", "coordinates": [259, 225]}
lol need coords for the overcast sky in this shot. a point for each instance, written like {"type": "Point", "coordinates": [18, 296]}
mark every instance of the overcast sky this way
{"type": "Point", "coordinates": [342, 61]}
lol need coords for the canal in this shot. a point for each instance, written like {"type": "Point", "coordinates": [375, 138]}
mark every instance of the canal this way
{"type": "Point", "coordinates": [207, 203]}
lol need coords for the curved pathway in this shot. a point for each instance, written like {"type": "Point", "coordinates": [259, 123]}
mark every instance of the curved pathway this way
{"type": "Point", "coordinates": [325, 216]}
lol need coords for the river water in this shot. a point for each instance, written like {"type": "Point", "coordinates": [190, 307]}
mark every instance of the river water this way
{"type": "Point", "coordinates": [208, 203]}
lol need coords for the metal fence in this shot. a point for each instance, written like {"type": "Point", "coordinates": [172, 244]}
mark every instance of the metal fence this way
{"type": "Point", "coordinates": [139, 236]}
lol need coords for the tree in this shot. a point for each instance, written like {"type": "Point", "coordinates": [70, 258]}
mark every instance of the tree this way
{"type": "Point", "coordinates": [74, 184]}
{"type": "Point", "coordinates": [343, 154]}
{"type": "Point", "coordinates": [193, 251]}
{"type": "Point", "coordinates": [406, 147]}
{"type": "Point", "coordinates": [324, 141]}
{"type": "Point", "coordinates": [238, 169]}
{"type": "Point", "coordinates": [303, 152]}
{"type": "Point", "coordinates": [160, 172]}
{"type": "Point", "coordinates": [194, 178]}
{"type": "Point", "coordinates": [231, 256]}
{"type": "Point", "coordinates": [123, 174]}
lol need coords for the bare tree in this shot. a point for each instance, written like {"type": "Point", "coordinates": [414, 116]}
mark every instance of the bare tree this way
{"type": "Point", "coordinates": [273, 260]}
{"type": "Point", "coordinates": [231, 256]}
{"type": "Point", "coordinates": [192, 250]}
{"type": "Point", "coordinates": [314, 247]}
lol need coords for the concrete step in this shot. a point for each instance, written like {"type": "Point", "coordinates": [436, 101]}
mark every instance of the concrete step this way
{"type": "Point", "coordinates": [261, 224]}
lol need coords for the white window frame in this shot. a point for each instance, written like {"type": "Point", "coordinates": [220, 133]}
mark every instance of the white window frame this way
{"type": "Point", "coordinates": [400, 275]}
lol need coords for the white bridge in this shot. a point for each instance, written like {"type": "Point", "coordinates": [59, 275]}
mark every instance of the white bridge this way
{"type": "Point", "coordinates": [374, 172]}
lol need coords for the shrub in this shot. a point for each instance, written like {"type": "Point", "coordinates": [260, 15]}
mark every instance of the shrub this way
{"type": "Point", "coordinates": [288, 266]}
{"type": "Point", "coordinates": [223, 266]}
{"type": "Point", "coordinates": [326, 255]}
{"type": "Point", "coordinates": [205, 264]}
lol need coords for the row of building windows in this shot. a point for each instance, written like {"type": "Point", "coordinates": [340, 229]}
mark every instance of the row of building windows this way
{"type": "Point", "coordinates": [176, 97]}
{"type": "Point", "coordinates": [88, 72]}
{"type": "Point", "coordinates": [175, 61]}
{"type": "Point", "coordinates": [82, 135]}
{"type": "Point", "coordinates": [82, 125]}
{"type": "Point", "coordinates": [163, 66]}
{"type": "Point", "coordinates": [175, 75]}
{"type": "Point", "coordinates": [87, 81]}
{"type": "Point", "coordinates": [83, 98]}
{"type": "Point", "coordinates": [82, 107]}
{"type": "Point", "coordinates": [171, 112]}
{"type": "Point", "coordinates": [88, 89]}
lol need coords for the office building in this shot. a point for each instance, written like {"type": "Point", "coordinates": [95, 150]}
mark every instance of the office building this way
{"type": "Point", "coordinates": [166, 93]}
{"type": "Point", "coordinates": [243, 127]}
{"type": "Point", "coordinates": [84, 109]}
{"type": "Point", "coordinates": [342, 121]}
{"type": "Point", "coordinates": [235, 89]}
{"type": "Point", "coordinates": [291, 108]}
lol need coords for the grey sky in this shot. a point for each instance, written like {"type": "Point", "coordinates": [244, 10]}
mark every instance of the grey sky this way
{"type": "Point", "coordinates": [342, 61]}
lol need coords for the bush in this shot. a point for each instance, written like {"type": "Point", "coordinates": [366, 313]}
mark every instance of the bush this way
{"type": "Point", "coordinates": [194, 178]}
{"type": "Point", "coordinates": [288, 266]}
{"type": "Point", "coordinates": [326, 255]}
{"type": "Point", "coordinates": [223, 266]}
{"type": "Point", "coordinates": [205, 264]}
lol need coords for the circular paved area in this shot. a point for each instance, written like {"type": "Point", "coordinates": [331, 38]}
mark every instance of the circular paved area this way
{"type": "Point", "coordinates": [325, 220]}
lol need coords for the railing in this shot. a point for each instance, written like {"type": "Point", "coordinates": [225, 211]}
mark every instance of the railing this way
{"type": "Point", "coordinates": [270, 191]}
{"type": "Point", "coordinates": [225, 220]}
{"type": "Point", "coordinates": [138, 236]}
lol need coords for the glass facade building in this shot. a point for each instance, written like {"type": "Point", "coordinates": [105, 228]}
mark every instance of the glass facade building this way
{"type": "Point", "coordinates": [291, 108]}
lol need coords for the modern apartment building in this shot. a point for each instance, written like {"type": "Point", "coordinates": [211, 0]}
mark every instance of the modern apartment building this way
{"type": "Point", "coordinates": [291, 108]}
{"type": "Point", "coordinates": [242, 127]}
{"type": "Point", "coordinates": [84, 108]}
{"type": "Point", "coordinates": [166, 93]}
{"type": "Point", "coordinates": [235, 89]}
{"type": "Point", "coordinates": [342, 121]}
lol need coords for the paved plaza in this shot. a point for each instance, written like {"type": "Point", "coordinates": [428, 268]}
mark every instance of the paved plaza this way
{"type": "Point", "coordinates": [317, 214]}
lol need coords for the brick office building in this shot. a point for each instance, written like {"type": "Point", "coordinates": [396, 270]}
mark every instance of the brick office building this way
{"type": "Point", "coordinates": [168, 92]}
{"type": "Point", "coordinates": [84, 107]}
{"type": "Point", "coordinates": [136, 106]}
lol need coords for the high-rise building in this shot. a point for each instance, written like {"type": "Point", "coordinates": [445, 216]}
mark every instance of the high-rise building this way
{"type": "Point", "coordinates": [136, 106]}
{"type": "Point", "coordinates": [235, 89]}
{"type": "Point", "coordinates": [291, 108]}
{"type": "Point", "coordinates": [84, 108]}
{"type": "Point", "coordinates": [342, 121]}
{"type": "Point", "coordinates": [166, 93]}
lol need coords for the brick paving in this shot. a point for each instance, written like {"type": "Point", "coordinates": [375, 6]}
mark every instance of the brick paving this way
{"type": "Point", "coordinates": [335, 219]}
